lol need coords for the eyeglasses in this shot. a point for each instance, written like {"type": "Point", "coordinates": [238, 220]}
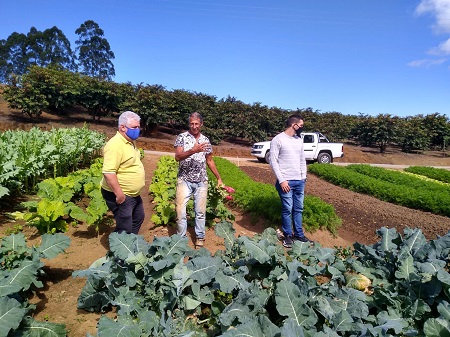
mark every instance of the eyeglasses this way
{"type": "Point", "coordinates": [133, 128]}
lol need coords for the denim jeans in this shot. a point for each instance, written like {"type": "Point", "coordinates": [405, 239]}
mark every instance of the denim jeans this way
{"type": "Point", "coordinates": [292, 207]}
{"type": "Point", "coordinates": [128, 215]}
{"type": "Point", "coordinates": [199, 191]}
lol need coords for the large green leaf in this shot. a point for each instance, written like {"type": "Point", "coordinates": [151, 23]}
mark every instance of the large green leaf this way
{"type": "Point", "coordinates": [204, 268]}
{"type": "Point", "coordinates": [228, 280]}
{"type": "Point", "coordinates": [122, 244]}
{"type": "Point", "coordinates": [14, 243]}
{"type": "Point", "coordinates": [32, 328]}
{"type": "Point", "coordinates": [11, 314]}
{"type": "Point", "coordinates": [257, 250]}
{"type": "Point", "coordinates": [225, 230]}
{"type": "Point", "coordinates": [53, 244]}
{"type": "Point", "coordinates": [20, 278]}
{"type": "Point", "coordinates": [110, 328]}
{"type": "Point", "coordinates": [292, 303]}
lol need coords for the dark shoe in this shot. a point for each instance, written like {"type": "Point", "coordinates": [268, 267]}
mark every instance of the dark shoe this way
{"type": "Point", "coordinates": [287, 242]}
{"type": "Point", "coordinates": [302, 239]}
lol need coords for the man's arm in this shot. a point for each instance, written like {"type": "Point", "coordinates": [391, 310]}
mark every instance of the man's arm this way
{"type": "Point", "coordinates": [212, 166]}
{"type": "Point", "coordinates": [180, 154]}
{"type": "Point", "coordinates": [113, 182]}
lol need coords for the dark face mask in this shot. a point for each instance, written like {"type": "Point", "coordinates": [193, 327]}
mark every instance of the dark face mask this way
{"type": "Point", "coordinates": [299, 131]}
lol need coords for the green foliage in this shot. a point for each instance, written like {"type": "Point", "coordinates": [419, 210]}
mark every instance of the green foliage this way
{"type": "Point", "coordinates": [24, 96]}
{"type": "Point", "coordinates": [28, 157]}
{"type": "Point", "coordinates": [431, 172]}
{"type": "Point", "coordinates": [253, 288]}
{"type": "Point", "coordinates": [262, 200]}
{"type": "Point", "coordinates": [388, 185]}
{"type": "Point", "coordinates": [412, 135]}
{"type": "Point", "coordinates": [376, 131]}
{"type": "Point", "coordinates": [99, 97]}
{"type": "Point", "coordinates": [94, 51]}
{"type": "Point", "coordinates": [163, 189]}
{"type": "Point", "coordinates": [55, 88]}
{"type": "Point", "coordinates": [57, 207]}
{"type": "Point", "coordinates": [20, 268]}
{"type": "Point", "coordinates": [47, 48]}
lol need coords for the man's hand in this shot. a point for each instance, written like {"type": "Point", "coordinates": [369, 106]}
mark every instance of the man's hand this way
{"type": "Point", "coordinates": [285, 186]}
{"type": "Point", "coordinates": [200, 147]}
{"type": "Point", "coordinates": [120, 199]}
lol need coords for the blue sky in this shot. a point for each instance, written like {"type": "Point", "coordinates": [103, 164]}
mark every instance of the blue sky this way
{"type": "Point", "coordinates": [350, 56]}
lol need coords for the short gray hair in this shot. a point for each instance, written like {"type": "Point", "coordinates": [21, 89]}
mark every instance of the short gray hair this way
{"type": "Point", "coordinates": [126, 116]}
{"type": "Point", "coordinates": [195, 115]}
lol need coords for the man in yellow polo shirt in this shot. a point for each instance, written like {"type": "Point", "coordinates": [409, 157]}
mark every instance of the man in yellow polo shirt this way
{"type": "Point", "coordinates": [124, 175]}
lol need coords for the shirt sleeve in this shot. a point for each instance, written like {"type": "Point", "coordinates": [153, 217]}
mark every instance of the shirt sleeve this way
{"type": "Point", "coordinates": [274, 164]}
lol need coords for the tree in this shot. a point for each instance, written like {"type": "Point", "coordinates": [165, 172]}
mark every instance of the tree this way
{"type": "Point", "coordinates": [379, 130]}
{"type": "Point", "coordinates": [42, 49]}
{"type": "Point", "coordinates": [94, 52]}
{"type": "Point", "coordinates": [438, 129]}
{"type": "Point", "coordinates": [50, 47]}
{"type": "Point", "coordinates": [149, 102]}
{"type": "Point", "coordinates": [13, 56]}
{"type": "Point", "coordinates": [411, 134]}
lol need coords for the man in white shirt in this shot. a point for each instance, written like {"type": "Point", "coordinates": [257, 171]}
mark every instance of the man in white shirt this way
{"type": "Point", "coordinates": [287, 160]}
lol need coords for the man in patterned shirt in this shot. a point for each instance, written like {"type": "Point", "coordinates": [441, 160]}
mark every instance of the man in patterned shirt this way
{"type": "Point", "coordinates": [193, 152]}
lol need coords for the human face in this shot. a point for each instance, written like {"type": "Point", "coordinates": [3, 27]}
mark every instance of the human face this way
{"type": "Point", "coordinates": [298, 125]}
{"type": "Point", "coordinates": [194, 126]}
{"type": "Point", "coordinates": [132, 130]}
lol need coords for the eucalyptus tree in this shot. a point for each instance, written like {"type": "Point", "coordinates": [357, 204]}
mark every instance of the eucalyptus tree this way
{"type": "Point", "coordinates": [13, 56]}
{"type": "Point", "coordinates": [21, 51]}
{"type": "Point", "coordinates": [94, 51]}
{"type": "Point", "coordinates": [50, 47]}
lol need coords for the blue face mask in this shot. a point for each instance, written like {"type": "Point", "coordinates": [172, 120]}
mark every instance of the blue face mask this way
{"type": "Point", "coordinates": [133, 134]}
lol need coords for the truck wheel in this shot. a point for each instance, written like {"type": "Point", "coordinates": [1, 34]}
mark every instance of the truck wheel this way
{"type": "Point", "coordinates": [324, 158]}
{"type": "Point", "coordinates": [267, 157]}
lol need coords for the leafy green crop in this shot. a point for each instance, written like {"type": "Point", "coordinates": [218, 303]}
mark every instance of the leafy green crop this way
{"type": "Point", "coordinates": [252, 288]}
{"type": "Point", "coordinates": [163, 189]}
{"type": "Point", "coordinates": [431, 172]}
{"type": "Point", "coordinates": [55, 206]}
{"type": "Point", "coordinates": [20, 267]}
{"type": "Point", "coordinates": [395, 187]}
{"type": "Point", "coordinates": [262, 200]}
{"type": "Point", "coordinates": [28, 157]}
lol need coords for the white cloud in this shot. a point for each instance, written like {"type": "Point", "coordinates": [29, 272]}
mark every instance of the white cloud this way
{"type": "Point", "coordinates": [440, 9]}
{"type": "Point", "coordinates": [442, 49]}
{"type": "Point", "coordinates": [426, 63]}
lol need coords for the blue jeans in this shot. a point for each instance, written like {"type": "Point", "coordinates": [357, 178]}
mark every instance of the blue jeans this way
{"type": "Point", "coordinates": [292, 207]}
{"type": "Point", "coordinates": [129, 215]}
{"type": "Point", "coordinates": [185, 190]}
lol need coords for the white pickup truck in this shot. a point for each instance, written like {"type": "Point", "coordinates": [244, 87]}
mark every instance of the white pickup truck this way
{"type": "Point", "coordinates": [317, 148]}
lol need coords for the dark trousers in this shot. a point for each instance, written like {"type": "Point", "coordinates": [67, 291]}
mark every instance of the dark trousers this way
{"type": "Point", "coordinates": [128, 215]}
